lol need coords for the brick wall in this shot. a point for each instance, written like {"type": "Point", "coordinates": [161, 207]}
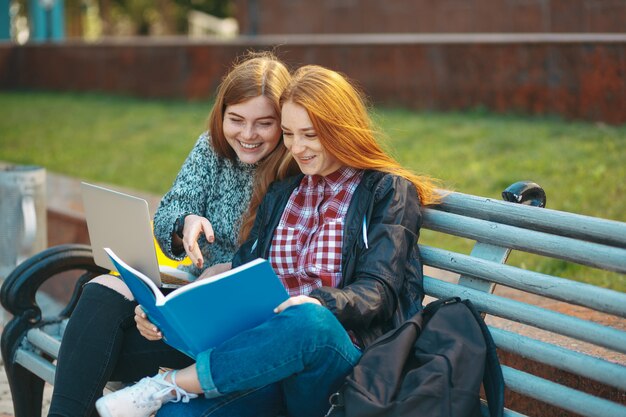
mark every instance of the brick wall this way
{"type": "Point", "coordinates": [428, 16]}
{"type": "Point", "coordinates": [581, 77]}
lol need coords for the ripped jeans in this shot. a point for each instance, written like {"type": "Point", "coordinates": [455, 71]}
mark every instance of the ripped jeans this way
{"type": "Point", "coordinates": [101, 343]}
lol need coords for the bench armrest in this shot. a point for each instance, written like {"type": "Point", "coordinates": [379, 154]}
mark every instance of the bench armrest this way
{"type": "Point", "coordinates": [525, 192]}
{"type": "Point", "coordinates": [20, 287]}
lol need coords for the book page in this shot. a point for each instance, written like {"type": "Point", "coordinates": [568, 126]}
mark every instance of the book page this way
{"type": "Point", "coordinates": [214, 278]}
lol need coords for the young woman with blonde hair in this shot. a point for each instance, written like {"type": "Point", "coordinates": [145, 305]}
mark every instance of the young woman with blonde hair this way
{"type": "Point", "coordinates": [342, 238]}
{"type": "Point", "coordinates": [205, 215]}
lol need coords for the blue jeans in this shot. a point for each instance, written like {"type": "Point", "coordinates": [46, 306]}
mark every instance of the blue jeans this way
{"type": "Point", "coordinates": [290, 364]}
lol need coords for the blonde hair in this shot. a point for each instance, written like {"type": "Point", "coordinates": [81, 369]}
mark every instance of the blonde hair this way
{"type": "Point", "coordinates": [339, 116]}
{"type": "Point", "coordinates": [255, 74]}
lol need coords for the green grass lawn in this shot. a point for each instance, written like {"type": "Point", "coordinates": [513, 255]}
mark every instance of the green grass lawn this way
{"type": "Point", "coordinates": [141, 144]}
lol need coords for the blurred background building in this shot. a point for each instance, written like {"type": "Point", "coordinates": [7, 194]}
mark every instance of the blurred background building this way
{"type": "Point", "coordinates": [94, 19]}
{"type": "Point", "coordinates": [41, 20]}
{"type": "Point", "coordinates": [430, 16]}
{"type": "Point", "coordinates": [563, 57]}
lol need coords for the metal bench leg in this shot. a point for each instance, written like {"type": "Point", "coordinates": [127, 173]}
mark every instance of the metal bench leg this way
{"type": "Point", "coordinates": [26, 390]}
{"type": "Point", "coordinates": [26, 387]}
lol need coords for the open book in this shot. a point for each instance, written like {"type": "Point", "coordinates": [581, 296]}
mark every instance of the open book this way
{"type": "Point", "coordinates": [205, 313]}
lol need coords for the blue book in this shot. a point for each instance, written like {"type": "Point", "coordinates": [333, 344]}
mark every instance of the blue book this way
{"type": "Point", "coordinates": [207, 312]}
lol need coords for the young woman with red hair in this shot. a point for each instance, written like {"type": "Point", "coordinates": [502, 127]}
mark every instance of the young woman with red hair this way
{"type": "Point", "coordinates": [342, 237]}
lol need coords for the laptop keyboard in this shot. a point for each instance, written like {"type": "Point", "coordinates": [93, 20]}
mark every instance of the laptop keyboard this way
{"type": "Point", "coordinates": [172, 281]}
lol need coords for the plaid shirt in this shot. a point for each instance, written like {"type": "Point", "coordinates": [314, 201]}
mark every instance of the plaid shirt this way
{"type": "Point", "coordinates": [306, 246]}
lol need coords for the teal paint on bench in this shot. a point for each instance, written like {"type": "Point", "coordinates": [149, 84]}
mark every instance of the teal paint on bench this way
{"type": "Point", "coordinates": [602, 371]}
{"type": "Point", "coordinates": [534, 282]}
{"type": "Point", "coordinates": [498, 226]}
{"type": "Point", "coordinates": [550, 392]}
{"type": "Point", "coordinates": [540, 243]}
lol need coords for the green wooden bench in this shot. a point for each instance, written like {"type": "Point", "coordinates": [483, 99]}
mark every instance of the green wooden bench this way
{"type": "Point", "coordinates": [30, 344]}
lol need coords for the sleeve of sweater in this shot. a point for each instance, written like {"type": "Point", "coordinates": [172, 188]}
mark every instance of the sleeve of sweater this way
{"type": "Point", "coordinates": [187, 194]}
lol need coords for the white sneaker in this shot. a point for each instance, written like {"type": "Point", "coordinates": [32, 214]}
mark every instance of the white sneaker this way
{"type": "Point", "coordinates": [141, 399]}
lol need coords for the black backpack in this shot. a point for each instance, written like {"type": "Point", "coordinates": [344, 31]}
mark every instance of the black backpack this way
{"type": "Point", "coordinates": [432, 365]}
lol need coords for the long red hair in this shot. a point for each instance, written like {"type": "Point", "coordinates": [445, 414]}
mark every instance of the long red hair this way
{"type": "Point", "coordinates": [339, 115]}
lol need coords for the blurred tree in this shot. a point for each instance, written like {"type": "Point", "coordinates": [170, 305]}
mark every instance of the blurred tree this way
{"type": "Point", "coordinates": [105, 16]}
{"type": "Point", "coordinates": [160, 17]}
{"type": "Point", "coordinates": [139, 13]}
{"type": "Point", "coordinates": [218, 8]}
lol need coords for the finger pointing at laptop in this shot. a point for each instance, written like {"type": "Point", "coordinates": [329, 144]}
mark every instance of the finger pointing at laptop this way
{"type": "Point", "coordinates": [194, 226]}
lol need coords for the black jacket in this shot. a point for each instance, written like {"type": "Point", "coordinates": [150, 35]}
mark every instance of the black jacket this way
{"type": "Point", "coordinates": [382, 284]}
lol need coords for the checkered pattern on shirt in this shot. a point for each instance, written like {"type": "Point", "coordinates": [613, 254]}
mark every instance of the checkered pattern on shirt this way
{"type": "Point", "coordinates": [306, 246]}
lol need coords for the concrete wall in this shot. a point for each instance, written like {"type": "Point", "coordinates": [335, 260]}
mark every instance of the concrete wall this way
{"type": "Point", "coordinates": [576, 76]}
{"type": "Point", "coordinates": [428, 16]}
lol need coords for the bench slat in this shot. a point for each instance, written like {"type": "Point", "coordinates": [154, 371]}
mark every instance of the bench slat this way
{"type": "Point", "coordinates": [577, 226]}
{"type": "Point", "coordinates": [36, 364]}
{"type": "Point", "coordinates": [528, 314]}
{"type": "Point", "coordinates": [591, 296]}
{"type": "Point", "coordinates": [559, 395]}
{"type": "Point", "coordinates": [44, 341]}
{"type": "Point", "coordinates": [608, 373]}
{"type": "Point", "coordinates": [585, 253]}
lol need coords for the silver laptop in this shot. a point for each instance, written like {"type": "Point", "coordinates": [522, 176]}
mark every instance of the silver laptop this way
{"type": "Point", "coordinates": [122, 222]}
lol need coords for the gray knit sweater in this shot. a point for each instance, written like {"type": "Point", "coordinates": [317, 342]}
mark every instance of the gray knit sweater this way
{"type": "Point", "coordinates": [210, 186]}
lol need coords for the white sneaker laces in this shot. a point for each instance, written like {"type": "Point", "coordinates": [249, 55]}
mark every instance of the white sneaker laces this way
{"type": "Point", "coordinates": [168, 387]}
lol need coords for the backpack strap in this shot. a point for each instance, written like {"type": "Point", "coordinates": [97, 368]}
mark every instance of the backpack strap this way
{"type": "Point", "coordinates": [493, 380]}
{"type": "Point", "coordinates": [432, 307]}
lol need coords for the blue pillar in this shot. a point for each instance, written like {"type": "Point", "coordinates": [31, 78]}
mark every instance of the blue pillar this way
{"type": "Point", "coordinates": [5, 20]}
{"type": "Point", "coordinates": [58, 19]}
{"type": "Point", "coordinates": [47, 20]}
{"type": "Point", "coordinates": [37, 20]}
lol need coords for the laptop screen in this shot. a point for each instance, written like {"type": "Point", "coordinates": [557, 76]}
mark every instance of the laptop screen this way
{"type": "Point", "coordinates": [121, 222]}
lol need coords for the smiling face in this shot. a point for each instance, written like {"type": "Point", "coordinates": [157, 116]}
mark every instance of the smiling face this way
{"type": "Point", "coordinates": [252, 128]}
{"type": "Point", "coordinates": [302, 141]}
